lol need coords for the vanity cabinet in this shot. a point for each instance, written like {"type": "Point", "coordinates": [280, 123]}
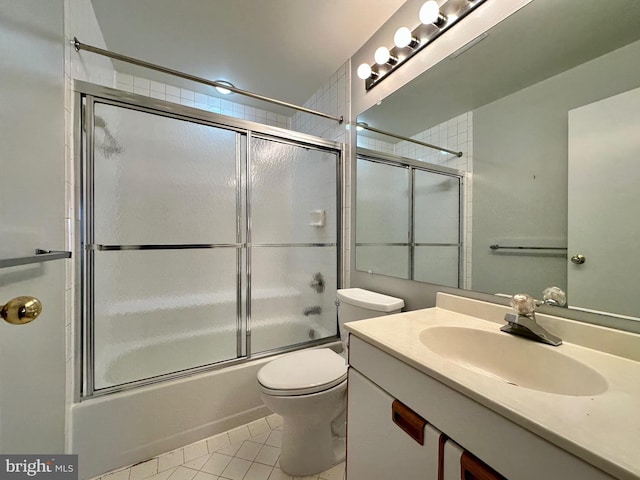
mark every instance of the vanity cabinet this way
{"type": "Point", "coordinates": [462, 438]}
{"type": "Point", "coordinates": [389, 440]}
{"type": "Point", "coordinates": [379, 448]}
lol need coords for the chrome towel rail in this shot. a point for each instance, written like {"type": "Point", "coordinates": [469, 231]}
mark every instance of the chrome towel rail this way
{"type": "Point", "coordinates": [134, 61]}
{"type": "Point", "coordinates": [39, 257]}
{"type": "Point", "coordinates": [364, 126]}
{"type": "Point", "coordinates": [499, 247]}
{"type": "Point", "coordinates": [185, 246]}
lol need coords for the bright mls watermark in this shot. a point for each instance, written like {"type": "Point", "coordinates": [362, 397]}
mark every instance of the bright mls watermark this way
{"type": "Point", "coordinates": [39, 467]}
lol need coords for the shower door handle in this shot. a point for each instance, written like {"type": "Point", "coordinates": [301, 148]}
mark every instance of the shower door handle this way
{"type": "Point", "coordinates": [21, 310]}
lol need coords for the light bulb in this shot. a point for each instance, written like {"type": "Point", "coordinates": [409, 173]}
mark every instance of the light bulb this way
{"type": "Point", "coordinates": [402, 37]}
{"type": "Point", "coordinates": [220, 87]}
{"type": "Point", "coordinates": [364, 71]}
{"type": "Point", "coordinates": [430, 13]}
{"type": "Point", "coordinates": [382, 55]}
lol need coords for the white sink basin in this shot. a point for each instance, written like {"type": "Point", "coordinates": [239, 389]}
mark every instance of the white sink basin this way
{"type": "Point", "coordinates": [514, 360]}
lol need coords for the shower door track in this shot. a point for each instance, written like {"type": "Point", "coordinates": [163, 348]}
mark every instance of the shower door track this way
{"type": "Point", "coordinates": [84, 300]}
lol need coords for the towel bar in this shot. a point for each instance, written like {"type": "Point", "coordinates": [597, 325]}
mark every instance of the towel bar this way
{"type": "Point", "coordinates": [39, 257]}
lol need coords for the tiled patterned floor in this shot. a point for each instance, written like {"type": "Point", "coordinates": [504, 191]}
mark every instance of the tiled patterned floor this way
{"type": "Point", "coordinates": [250, 452]}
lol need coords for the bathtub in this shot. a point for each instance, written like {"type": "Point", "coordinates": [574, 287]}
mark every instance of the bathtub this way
{"type": "Point", "coordinates": [130, 361]}
{"type": "Point", "coordinates": [128, 427]}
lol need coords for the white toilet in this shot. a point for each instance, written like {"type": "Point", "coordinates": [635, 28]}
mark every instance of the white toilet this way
{"type": "Point", "coordinates": [308, 389]}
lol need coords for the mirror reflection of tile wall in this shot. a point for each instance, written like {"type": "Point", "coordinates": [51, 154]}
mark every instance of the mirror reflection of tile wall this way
{"type": "Point", "coordinates": [454, 134]}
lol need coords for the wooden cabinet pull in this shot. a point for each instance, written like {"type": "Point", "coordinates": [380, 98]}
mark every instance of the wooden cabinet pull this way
{"type": "Point", "coordinates": [441, 442]}
{"type": "Point", "coordinates": [473, 469]}
{"type": "Point", "coordinates": [408, 420]}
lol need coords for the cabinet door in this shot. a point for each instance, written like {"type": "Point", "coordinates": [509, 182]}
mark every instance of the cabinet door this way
{"type": "Point", "coordinates": [459, 464]}
{"type": "Point", "coordinates": [379, 448]}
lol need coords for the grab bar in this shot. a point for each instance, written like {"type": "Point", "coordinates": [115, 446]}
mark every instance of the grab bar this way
{"type": "Point", "coordinates": [498, 247]}
{"type": "Point", "coordinates": [39, 257]}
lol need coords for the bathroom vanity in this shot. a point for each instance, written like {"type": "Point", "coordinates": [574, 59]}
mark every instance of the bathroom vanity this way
{"type": "Point", "coordinates": [441, 393]}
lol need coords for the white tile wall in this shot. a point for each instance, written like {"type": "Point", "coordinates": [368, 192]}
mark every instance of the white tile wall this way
{"type": "Point", "coordinates": [190, 98]}
{"type": "Point", "coordinates": [79, 21]}
{"type": "Point", "coordinates": [377, 145]}
{"type": "Point", "coordinates": [334, 98]}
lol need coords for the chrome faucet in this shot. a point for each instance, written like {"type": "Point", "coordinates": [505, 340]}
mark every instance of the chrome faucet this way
{"type": "Point", "coordinates": [524, 323]}
{"type": "Point", "coordinates": [315, 310]}
{"type": "Point", "coordinates": [318, 282]}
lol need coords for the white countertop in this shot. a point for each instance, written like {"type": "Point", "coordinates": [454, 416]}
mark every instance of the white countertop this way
{"type": "Point", "coordinates": [603, 429]}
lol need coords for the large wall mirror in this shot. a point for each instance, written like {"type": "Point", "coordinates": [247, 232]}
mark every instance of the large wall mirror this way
{"type": "Point", "coordinates": [545, 108]}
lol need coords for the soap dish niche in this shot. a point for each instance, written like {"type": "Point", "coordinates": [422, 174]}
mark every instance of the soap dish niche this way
{"type": "Point", "coordinates": [317, 218]}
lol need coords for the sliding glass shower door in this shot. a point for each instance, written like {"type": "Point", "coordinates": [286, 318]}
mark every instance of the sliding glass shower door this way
{"type": "Point", "coordinates": [409, 219]}
{"type": "Point", "coordinates": [436, 228]}
{"type": "Point", "coordinates": [293, 244]}
{"type": "Point", "coordinates": [203, 243]}
{"type": "Point", "coordinates": [165, 245]}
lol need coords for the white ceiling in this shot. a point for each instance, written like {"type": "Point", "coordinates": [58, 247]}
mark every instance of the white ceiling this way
{"type": "Point", "coordinates": [283, 49]}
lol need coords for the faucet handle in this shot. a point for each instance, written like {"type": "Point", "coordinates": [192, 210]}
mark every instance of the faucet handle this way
{"type": "Point", "coordinates": [554, 296]}
{"type": "Point", "coordinates": [523, 304]}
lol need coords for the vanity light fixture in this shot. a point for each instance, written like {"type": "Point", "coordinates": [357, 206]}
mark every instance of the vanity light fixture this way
{"type": "Point", "coordinates": [364, 72]}
{"type": "Point", "coordinates": [404, 38]}
{"type": "Point", "coordinates": [434, 20]}
{"type": "Point", "coordinates": [383, 55]}
{"type": "Point", "coordinates": [221, 84]}
{"type": "Point", "coordinates": [430, 13]}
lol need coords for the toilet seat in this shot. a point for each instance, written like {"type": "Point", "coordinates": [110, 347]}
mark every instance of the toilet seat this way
{"type": "Point", "coordinates": [303, 373]}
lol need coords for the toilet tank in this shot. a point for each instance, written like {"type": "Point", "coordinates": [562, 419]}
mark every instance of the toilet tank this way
{"type": "Point", "coordinates": [357, 304]}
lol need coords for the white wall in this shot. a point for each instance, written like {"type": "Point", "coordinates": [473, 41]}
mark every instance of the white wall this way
{"type": "Point", "coordinates": [521, 145]}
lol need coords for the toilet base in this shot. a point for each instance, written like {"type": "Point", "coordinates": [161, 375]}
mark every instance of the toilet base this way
{"type": "Point", "coordinates": [319, 451]}
{"type": "Point", "coordinates": [313, 428]}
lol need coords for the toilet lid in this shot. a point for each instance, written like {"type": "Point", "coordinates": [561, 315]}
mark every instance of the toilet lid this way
{"type": "Point", "coordinates": [304, 372]}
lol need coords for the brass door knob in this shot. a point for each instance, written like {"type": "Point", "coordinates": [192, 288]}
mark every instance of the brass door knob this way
{"type": "Point", "coordinates": [21, 310]}
{"type": "Point", "coordinates": [578, 259]}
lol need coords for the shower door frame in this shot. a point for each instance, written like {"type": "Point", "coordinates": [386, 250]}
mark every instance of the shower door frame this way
{"type": "Point", "coordinates": [411, 166]}
{"type": "Point", "coordinates": [85, 96]}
